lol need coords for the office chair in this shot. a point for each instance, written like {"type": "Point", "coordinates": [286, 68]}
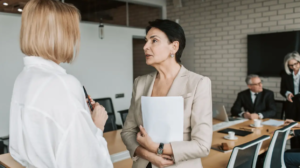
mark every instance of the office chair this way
{"type": "Point", "coordinates": [245, 155]}
{"type": "Point", "coordinates": [123, 114]}
{"type": "Point", "coordinates": [107, 104]}
{"type": "Point", "coordinates": [275, 154]}
{"type": "Point", "coordinates": [111, 121]}
{"type": "Point", "coordinates": [110, 124]}
{"type": "Point", "coordinates": [3, 147]}
{"type": "Point", "coordinates": [280, 109]}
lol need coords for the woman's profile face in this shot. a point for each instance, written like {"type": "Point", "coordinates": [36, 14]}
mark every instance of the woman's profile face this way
{"type": "Point", "coordinates": [157, 48]}
{"type": "Point", "coordinates": [294, 65]}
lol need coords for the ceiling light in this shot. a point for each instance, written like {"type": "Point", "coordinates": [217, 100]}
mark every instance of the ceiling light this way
{"type": "Point", "coordinates": [20, 10]}
{"type": "Point", "coordinates": [5, 4]}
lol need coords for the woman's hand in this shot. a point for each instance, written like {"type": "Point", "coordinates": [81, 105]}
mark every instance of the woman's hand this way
{"type": "Point", "coordinates": [145, 140]}
{"type": "Point", "coordinates": [288, 121]}
{"type": "Point", "coordinates": [161, 161]}
{"type": "Point", "coordinates": [92, 102]}
{"type": "Point", "coordinates": [289, 97]}
{"type": "Point", "coordinates": [99, 116]}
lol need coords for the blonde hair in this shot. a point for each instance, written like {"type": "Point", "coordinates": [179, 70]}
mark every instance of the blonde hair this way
{"type": "Point", "coordinates": [50, 29]}
{"type": "Point", "coordinates": [293, 55]}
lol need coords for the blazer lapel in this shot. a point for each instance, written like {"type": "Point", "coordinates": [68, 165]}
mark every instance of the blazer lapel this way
{"type": "Point", "coordinates": [178, 87]}
{"type": "Point", "coordinates": [148, 87]}
{"type": "Point", "coordinates": [291, 83]}
{"type": "Point", "coordinates": [249, 100]}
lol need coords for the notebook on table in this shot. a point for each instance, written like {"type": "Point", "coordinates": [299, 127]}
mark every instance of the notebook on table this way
{"type": "Point", "coordinates": [236, 131]}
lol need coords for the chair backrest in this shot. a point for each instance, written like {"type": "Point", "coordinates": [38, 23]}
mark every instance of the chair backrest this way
{"type": "Point", "coordinates": [275, 154]}
{"type": "Point", "coordinates": [107, 104]}
{"type": "Point", "coordinates": [280, 109]}
{"type": "Point", "coordinates": [245, 155]}
{"type": "Point", "coordinates": [110, 124]}
{"type": "Point", "coordinates": [123, 114]}
{"type": "Point", "coordinates": [1, 147]}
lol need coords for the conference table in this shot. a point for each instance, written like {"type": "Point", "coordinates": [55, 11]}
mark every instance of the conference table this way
{"type": "Point", "coordinates": [215, 159]}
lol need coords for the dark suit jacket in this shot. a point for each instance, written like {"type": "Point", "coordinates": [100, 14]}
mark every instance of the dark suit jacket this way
{"type": "Point", "coordinates": [287, 84]}
{"type": "Point", "coordinates": [265, 103]}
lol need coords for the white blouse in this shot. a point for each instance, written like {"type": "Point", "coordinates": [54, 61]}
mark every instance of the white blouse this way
{"type": "Point", "coordinates": [50, 122]}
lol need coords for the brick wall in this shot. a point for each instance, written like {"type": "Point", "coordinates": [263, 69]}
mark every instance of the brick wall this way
{"type": "Point", "coordinates": [220, 28]}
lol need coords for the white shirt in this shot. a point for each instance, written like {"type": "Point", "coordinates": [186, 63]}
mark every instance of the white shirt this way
{"type": "Point", "coordinates": [253, 97]}
{"type": "Point", "coordinates": [50, 123]}
{"type": "Point", "coordinates": [296, 78]}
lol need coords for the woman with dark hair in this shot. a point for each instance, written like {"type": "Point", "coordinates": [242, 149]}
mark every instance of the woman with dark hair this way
{"type": "Point", "coordinates": [165, 41]}
{"type": "Point", "coordinates": [290, 88]}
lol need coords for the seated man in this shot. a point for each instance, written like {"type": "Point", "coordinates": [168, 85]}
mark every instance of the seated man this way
{"type": "Point", "coordinates": [292, 157]}
{"type": "Point", "coordinates": [258, 103]}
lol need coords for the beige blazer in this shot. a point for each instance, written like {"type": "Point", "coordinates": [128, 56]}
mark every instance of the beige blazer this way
{"type": "Point", "coordinates": [197, 131]}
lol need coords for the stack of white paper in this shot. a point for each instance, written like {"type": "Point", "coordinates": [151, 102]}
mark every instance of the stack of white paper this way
{"type": "Point", "coordinates": [163, 118]}
{"type": "Point", "coordinates": [273, 123]}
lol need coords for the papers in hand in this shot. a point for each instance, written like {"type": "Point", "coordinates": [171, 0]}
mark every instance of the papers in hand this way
{"type": "Point", "coordinates": [273, 123]}
{"type": "Point", "coordinates": [163, 118]}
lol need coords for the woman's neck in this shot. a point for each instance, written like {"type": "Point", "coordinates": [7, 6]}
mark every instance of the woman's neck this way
{"type": "Point", "coordinates": [167, 70]}
{"type": "Point", "coordinates": [296, 72]}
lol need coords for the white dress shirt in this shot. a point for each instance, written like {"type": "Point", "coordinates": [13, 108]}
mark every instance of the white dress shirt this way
{"type": "Point", "coordinates": [253, 97]}
{"type": "Point", "coordinates": [50, 122]}
{"type": "Point", "coordinates": [296, 78]}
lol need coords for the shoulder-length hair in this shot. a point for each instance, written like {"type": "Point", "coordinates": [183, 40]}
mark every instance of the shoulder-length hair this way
{"type": "Point", "coordinates": [293, 55]}
{"type": "Point", "coordinates": [50, 29]}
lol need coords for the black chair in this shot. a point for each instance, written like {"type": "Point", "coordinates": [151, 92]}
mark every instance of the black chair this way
{"type": "Point", "coordinates": [275, 154]}
{"type": "Point", "coordinates": [110, 124]}
{"type": "Point", "coordinates": [280, 109]}
{"type": "Point", "coordinates": [245, 155]}
{"type": "Point", "coordinates": [3, 147]}
{"type": "Point", "coordinates": [123, 114]}
{"type": "Point", "coordinates": [108, 105]}
{"type": "Point", "coordinates": [1, 166]}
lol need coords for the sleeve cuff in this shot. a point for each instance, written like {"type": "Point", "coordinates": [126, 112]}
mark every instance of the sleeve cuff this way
{"type": "Point", "coordinates": [241, 114]}
{"type": "Point", "coordinates": [287, 93]}
{"type": "Point", "coordinates": [260, 116]}
{"type": "Point", "coordinates": [100, 132]}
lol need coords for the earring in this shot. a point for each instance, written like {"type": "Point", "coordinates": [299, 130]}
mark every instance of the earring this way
{"type": "Point", "coordinates": [172, 55]}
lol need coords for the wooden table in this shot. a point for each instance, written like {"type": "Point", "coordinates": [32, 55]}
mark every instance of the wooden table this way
{"type": "Point", "coordinates": [214, 160]}
{"type": "Point", "coordinates": [217, 159]}
{"type": "Point", "coordinates": [114, 145]}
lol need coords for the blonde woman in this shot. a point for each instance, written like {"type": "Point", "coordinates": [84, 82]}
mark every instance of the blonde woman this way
{"type": "Point", "coordinates": [290, 88]}
{"type": "Point", "coordinates": [51, 125]}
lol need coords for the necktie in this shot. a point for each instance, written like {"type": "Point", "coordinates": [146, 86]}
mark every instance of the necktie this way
{"type": "Point", "coordinates": [255, 99]}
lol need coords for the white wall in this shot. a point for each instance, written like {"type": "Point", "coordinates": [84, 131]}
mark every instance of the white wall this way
{"type": "Point", "coordinates": [104, 67]}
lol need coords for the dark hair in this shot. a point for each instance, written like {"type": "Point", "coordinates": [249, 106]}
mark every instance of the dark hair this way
{"type": "Point", "coordinates": [173, 31]}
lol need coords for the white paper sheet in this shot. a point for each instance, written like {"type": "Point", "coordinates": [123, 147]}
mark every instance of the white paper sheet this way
{"type": "Point", "coordinates": [273, 123]}
{"type": "Point", "coordinates": [163, 118]}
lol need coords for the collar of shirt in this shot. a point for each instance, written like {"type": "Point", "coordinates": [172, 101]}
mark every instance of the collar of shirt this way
{"type": "Point", "coordinates": [252, 93]}
{"type": "Point", "coordinates": [296, 75]}
{"type": "Point", "coordinates": [35, 60]}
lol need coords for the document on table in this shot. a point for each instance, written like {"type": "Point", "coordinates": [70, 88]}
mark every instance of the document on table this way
{"type": "Point", "coordinates": [273, 123]}
{"type": "Point", "coordinates": [163, 118]}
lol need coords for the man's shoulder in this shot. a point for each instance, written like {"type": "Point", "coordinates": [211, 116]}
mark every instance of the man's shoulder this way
{"type": "Point", "coordinates": [266, 91]}
{"type": "Point", "coordinates": [244, 92]}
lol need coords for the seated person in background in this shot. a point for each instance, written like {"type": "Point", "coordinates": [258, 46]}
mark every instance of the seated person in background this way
{"type": "Point", "coordinates": [258, 103]}
{"type": "Point", "coordinates": [292, 157]}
